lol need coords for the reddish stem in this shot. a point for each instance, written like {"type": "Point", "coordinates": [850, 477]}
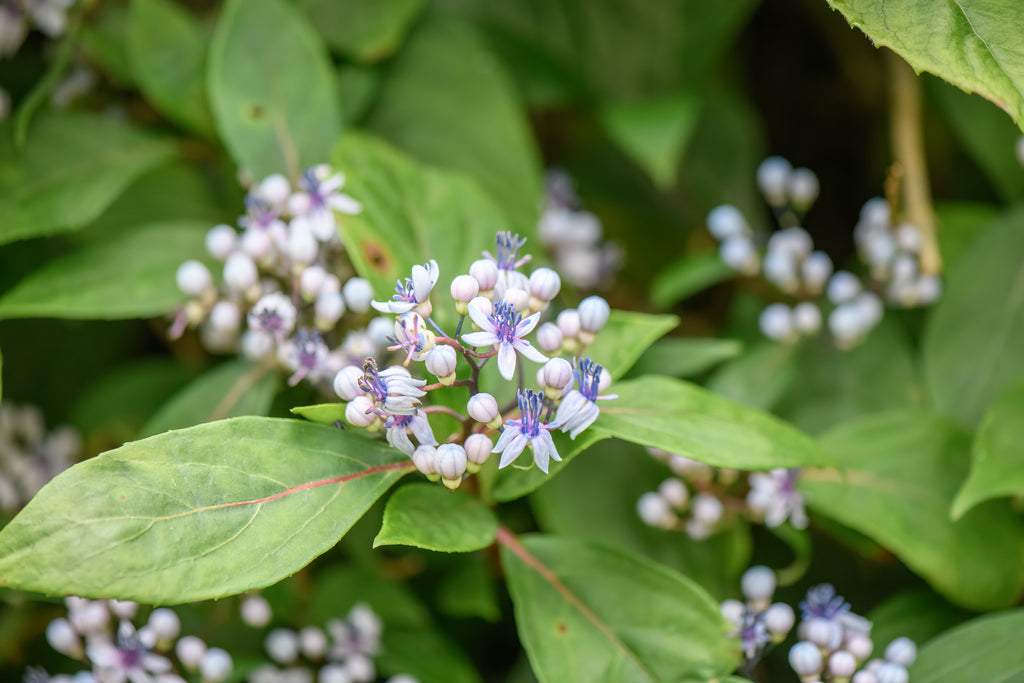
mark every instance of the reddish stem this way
{"type": "Point", "coordinates": [443, 409]}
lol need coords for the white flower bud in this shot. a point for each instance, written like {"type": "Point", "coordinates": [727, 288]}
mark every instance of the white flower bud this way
{"type": "Point", "coordinates": [870, 308]}
{"type": "Point", "coordinates": [478, 448]}
{"type": "Point", "coordinates": [875, 212]}
{"type": "Point", "coordinates": [864, 676]}
{"type": "Point", "coordinates": [256, 344]}
{"type": "Point", "coordinates": [901, 651]}
{"type": "Point", "coordinates": [221, 241]}
{"type": "Point", "coordinates": [842, 287]}
{"type": "Point", "coordinates": [275, 188]}
{"type": "Point", "coordinates": [807, 318]}
{"type": "Point", "coordinates": [333, 673]}
{"type": "Point", "coordinates": [569, 323]}
{"type": "Point", "coordinates": [485, 272]}
{"type": "Point", "coordinates": [655, 510]}
{"type": "Point", "coordinates": [356, 411]}
{"type": "Point", "coordinates": [697, 530]}
{"type": "Point", "coordinates": [225, 316]}
{"type": "Point", "coordinates": [441, 362]}
{"type": "Point", "coordinates": [688, 468]}
{"type": "Point", "coordinates": [803, 188]}
{"type": "Point", "coordinates": [842, 664]}
{"type": "Point", "coordinates": [240, 272]}
{"type": "Point", "coordinates": [815, 270]}
{"type": "Point", "coordinates": [482, 304]}
{"type": "Point", "coordinates": [123, 609]}
{"type": "Point", "coordinates": [734, 611]}
{"type": "Point", "coordinates": [360, 668]}
{"type": "Point", "coordinates": [256, 244]}
{"type": "Point", "coordinates": [726, 221]}
{"type": "Point", "coordinates": [311, 281]}
{"type": "Point", "coordinates": [402, 678]}
{"type": "Point", "coordinates": [777, 322]}
{"type": "Point", "coordinates": [780, 268]}
{"type": "Point", "coordinates": [425, 459]}
{"type": "Point", "coordinates": [190, 651]}
{"type": "Point", "coordinates": [312, 642]}
{"type": "Point", "coordinates": [758, 583]}
{"type": "Point", "coordinates": [549, 337]}
{"type": "Point", "coordinates": [193, 278]}
{"type": "Point", "coordinates": [62, 637]}
{"type": "Point", "coordinates": [165, 623]}
{"type": "Point", "coordinates": [674, 491]}
{"type": "Point", "coordinates": [282, 645]}
{"type": "Point", "coordinates": [859, 645]}
{"type": "Point", "coordinates": [929, 288]}
{"type": "Point", "coordinates": [483, 408]}
{"type": "Point", "coordinates": [823, 632]}
{"type": "Point", "coordinates": [773, 179]}
{"type": "Point", "coordinates": [216, 665]}
{"type": "Point", "coordinates": [908, 237]}
{"type": "Point", "coordinates": [346, 382]}
{"type": "Point", "coordinates": [256, 611]}
{"type": "Point", "coordinates": [846, 324]}
{"type": "Point", "coordinates": [328, 309]}
{"type": "Point", "coordinates": [451, 463]}
{"type": "Point", "coordinates": [557, 374]}
{"type": "Point", "coordinates": [519, 298]}
{"type": "Point", "coordinates": [739, 254]}
{"type": "Point", "coordinates": [805, 658]}
{"type": "Point", "coordinates": [358, 293]}
{"type": "Point", "coordinates": [465, 288]}
{"type": "Point", "coordinates": [890, 672]}
{"type": "Point", "coordinates": [794, 241]}
{"type": "Point", "coordinates": [779, 619]}
{"type": "Point", "coordinates": [544, 284]}
{"type": "Point", "coordinates": [593, 312]}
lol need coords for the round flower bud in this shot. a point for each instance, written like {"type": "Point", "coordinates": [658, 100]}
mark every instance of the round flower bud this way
{"type": "Point", "coordinates": [256, 244]}
{"type": "Point", "coordinates": [358, 293]}
{"type": "Point", "coordinates": [123, 609]}
{"type": "Point", "coordinates": [674, 491]}
{"type": "Point", "coordinates": [807, 318]}
{"type": "Point", "coordinates": [329, 308]}
{"type": "Point", "coordinates": [403, 678]}
{"type": "Point", "coordinates": [544, 284]}
{"type": "Point", "coordinates": [216, 665]}
{"type": "Point", "coordinates": [697, 530]}
{"type": "Point", "coordinates": [221, 241]}
{"type": "Point", "coordinates": [312, 642]}
{"type": "Point", "coordinates": [777, 322]}
{"type": "Point", "coordinates": [193, 278]}
{"type": "Point", "coordinates": [815, 270]}
{"type": "Point", "coordinates": [549, 337]}
{"type": "Point", "coordinates": [356, 411]}
{"type": "Point", "coordinates": [302, 246]}
{"type": "Point", "coordinates": [425, 459]}
{"type": "Point", "coordinates": [726, 221]}
{"type": "Point", "coordinates": [823, 632]}
{"type": "Point", "coordinates": [773, 179]}
{"type": "Point", "coordinates": [311, 281]}
{"type": "Point", "coordinates": [842, 287]}
{"type": "Point", "coordinates": [859, 645]}
{"type": "Point", "coordinates": [165, 623]}
{"type": "Point", "coordinates": [805, 658]}
{"type": "Point", "coordinates": [256, 611]}
{"type": "Point", "coordinates": [256, 344]}
{"type": "Point", "coordinates": [842, 664]}
{"type": "Point", "coordinates": [734, 611]}
{"type": "Point", "coordinates": [593, 312]}
{"type": "Point", "coordinates": [360, 668]}
{"type": "Point", "coordinates": [876, 212]}
{"type": "Point", "coordinates": [557, 374]}
{"type": "Point", "coordinates": [569, 323]}
{"type": "Point", "coordinates": [451, 464]}
{"type": "Point", "coordinates": [282, 645]}
{"type": "Point", "coordinates": [190, 651]}
{"type": "Point", "coordinates": [441, 362]}
{"type": "Point", "coordinates": [240, 272]}
{"type": "Point", "coordinates": [225, 316]}
{"type": "Point", "coordinates": [890, 672]}
{"type": "Point", "coordinates": [758, 583]}
{"type": "Point", "coordinates": [846, 324]}
{"type": "Point", "coordinates": [902, 651]}
{"type": "Point", "coordinates": [478, 448]}
{"type": "Point", "coordinates": [464, 289]}
{"type": "Point", "coordinates": [707, 509]}
{"type": "Point", "coordinates": [485, 272]}
{"type": "Point", "coordinates": [483, 408]}
{"type": "Point", "coordinates": [803, 188]}
{"type": "Point", "coordinates": [778, 620]}
{"type": "Point", "coordinates": [908, 237]}
{"type": "Point", "coordinates": [655, 510]}
{"type": "Point", "coordinates": [62, 637]}
{"type": "Point", "coordinates": [929, 288]}
{"type": "Point", "coordinates": [780, 269]}
{"type": "Point", "coordinates": [333, 673]}
{"type": "Point", "coordinates": [519, 298]}
{"type": "Point", "coordinates": [739, 254]}
{"type": "Point", "coordinates": [688, 468]}
{"type": "Point", "coordinates": [275, 188]}
{"type": "Point", "coordinates": [864, 676]}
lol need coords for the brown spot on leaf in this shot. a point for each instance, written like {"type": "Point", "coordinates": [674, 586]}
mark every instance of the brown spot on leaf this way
{"type": "Point", "coordinates": [376, 257]}
{"type": "Point", "coordinates": [255, 111]}
{"type": "Point", "coordinates": [563, 628]}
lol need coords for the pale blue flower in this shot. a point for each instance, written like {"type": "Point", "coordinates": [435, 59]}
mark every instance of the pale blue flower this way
{"type": "Point", "coordinates": [506, 328]}
{"type": "Point", "coordinates": [527, 431]}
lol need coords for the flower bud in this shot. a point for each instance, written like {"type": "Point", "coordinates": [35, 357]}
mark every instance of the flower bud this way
{"type": "Point", "coordinates": [302, 246]}
{"type": "Point", "coordinates": [478, 450]}
{"type": "Point", "coordinates": [256, 611]}
{"type": "Point", "coordinates": [240, 273]}
{"type": "Point", "coordinates": [734, 611]}
{"type": "Point", "coordinates": [332, 673]}
{"type": "Point", "coordinates": [256, 344]}
{"type": "Point", "coordinates": [311, 281]}
{"type": "Point", "coordinates": [215, 666]}
{"type": "Point", "coordinates": [425, 459]}
{"type": "Point", "coordinates": [758, 584]}
{"type": "Point", "coordinates": [484, 409]}
{"type": "Point", "coordinates": [483, 305]}
{"type": "Point", "coordinates": [519, 298]}
{"type": "Point", "coordinates": [451, 464]}
{"type": "Point", "coordinates": [816, 270]}
{"type": "Point", "coordinates": [544, 284]}
{"type": "Point", "coordinates": [773, 179]}
{"type": "Point", "coordinates": [328, 309]}
{"type": "Point", "coordinates": [674, 491]}
{"type": "Point", "coordinates": [842, 664]}
{"type": "Point", "coordinates": [707, 509]}
{"type": "Point", "coordinates": [864, 676]}
{"type": "Point", "coordinates": [655, 510]}
{"type": "Point", "coordinates": [807, 318]}
{"type": "Point", "coordinates": [842, 287]}
{"type": "Point", "coordinates": [594, 312]}
{"type": "Point", "coordinates": [123, 609]}
{"type": "Point", "coordinates": [62, 637]}
{"type": "Point", "coordinates": [256, 244]}
{"type": "Point", "coordinates": [778, 620]}
{"type": "Point", "coordinates": [902, 651]}
{"type": "Point", "coordinates": [824, 633]}
{"type": "Point", "coordinates": [485, 272]}
{"type": "Point", "coordinates": [441, 362]}
{"type": "Point", "coordinates": [356, 411]}
{"type": "Point", "coordinates": [221, 241]}
{"type": "Point", "coordinates": [225, 316]}
{"type": "Point", "coordinates": [805, 658]}
{"type": "Point", "coordinates": [569, 323]}
{"type": "Point", "coordinates": [779, 267]}
{"type": "Point", "coordinates": [556, 375]}
{"type": "Point", "coordinates": [190, 651]}
{"type": "Point", "coordinates": [739, 254]}
{"type": "Point", "coordinates": [193, 278]}
{"type": "Point", "coordinates": [464, 289]}
{"type": "Point", "coordinates": [312, 642]}
{"type": "Point", "coordinates": [549, 337]}
{"type": "Point", "coordinates": [698, 530]}
{"type": "Point", "coordinates": [282, 645]}
{"type": "Point", "coordinates": [358, 293]}
{"type": "Point", "coordinates": [890, 672]}
{"type": "Point", "coordinates": [726, 221]}
{"type": "Point", "coordinates": [859, 645]}
{"type": "Point", "coordinates": [803, 188]}
{"type": "Point", "coordinates": [360, 668]}
{"type": "Point", "coordinates": [776, 322]}
{"type": "Point", "coordinates": [165, 624]}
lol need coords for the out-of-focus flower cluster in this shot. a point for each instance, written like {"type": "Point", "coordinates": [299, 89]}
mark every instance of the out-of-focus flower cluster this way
{"type": "Point", "coordinates": [341, 652]}
{"type": "Point", "coordinates": [101, 635]}
{"type": "Point", "coordinates": [891, 249]}
{"type": "Point", "coordinates": [757, 622]}
{"type": "Point", "coordinates": [29, 455]}
{"type": "Point", "coordinates": [702, 499]}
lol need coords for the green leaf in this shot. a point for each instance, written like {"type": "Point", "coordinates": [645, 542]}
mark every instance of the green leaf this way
{"type": "Point", "coordinates": [467, 589]}
{"type": "Point", "coordinates": [758, 378]}
{"type": "Point", "coordinates": [997, 454]}
{"type": "Point", "coordinates": [514, 482]}
{"type": "Point", "coordinates": [984, 649]}
{"type": "Point", "coordinates": [919, 615]}
{"type": "Point", "coordinates": [131, 276]}
{"type": "Point", "coordinates": [655, 132]}
{"type": "Point", "coordinates": [167, 49]}
{"type": "Point", "coordinates": [972, 341]}
{"type": "Point", "coordinates": [685, 356]}
{"type": "Point", "coordinates": [357, 87]}
{"type": "Point", "coordinates": [625, 337]}
{"type": "Point", "coordinates": [491, 143]}
{"type": "Point", "coordinates": [233, 389]}
{"type": "Point", "coordinates": [430, 516]}
{"type": "Point", "coordinates": [103, 42]}
{"type": "Point", "coordinates": [683, 418]}
{"type": "Point", "coordinates": [72, 167]}
{"type": "Point", "coordinates": [687, 276]}
{"type": "Point", "coordinates": [366, 32]}
{"type": "Point", "coordinates": [899, 473]}
{"type": "Point", "coordinates": [200, 513]}
{"type": "Point", "coordinates": [322, 413]}
{"type": "Point", "coordinates": [960, 223]}
{"type": "Point", "coordinates": [271, 88]}
{"type": "Point", "coordinates": [973, 44]}
{"type": "Point", "coordinates": [589, 613]}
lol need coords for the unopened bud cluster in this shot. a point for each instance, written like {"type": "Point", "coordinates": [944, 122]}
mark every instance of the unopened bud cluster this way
{"type": "Point", "coordinates": [573, 236]}
{"type": "Point", "coordinates": [504, 306]}
{"type": "Point", "coordinates": [835, 645]}
{"type": "Point", "coordinates": [701, 499]}
{"type": "Point", "coordinates": [102, 636]}
{"type": "Point", "coordinates": [29, 455]}
{"type": "Point", "coordinates": [757, 622]}
{"type": "Point", "coordinates": [820, 295]}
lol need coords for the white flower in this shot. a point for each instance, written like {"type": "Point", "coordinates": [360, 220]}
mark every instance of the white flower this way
{"type": "Point", "coordinates": [578, 409]}
{"type": "Point", "coordinates": [506, 328]}
{"type": "Point", "coordinates": [527, 431]}
{"type": "Point", "coordinates": [414, 292]}
{"type": "Point", "coordinates": [774, 495]}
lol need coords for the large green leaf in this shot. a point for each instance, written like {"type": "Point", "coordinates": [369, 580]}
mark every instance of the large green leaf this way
{"type": "Point", "coordinates": [514, 482]}
{"type": "Point", "coordinates": [430, 516]}
{"type": "Point", "coordinates": [72, 167]}
{"type": "Point", "coordinates": [919, 615]}
{"type": "Point", "coordinates": [366, 31]}
{"type": "Point", "coordinates": [997, 467]}
{"type": "Point", "coordinates": [972, 342]}
{"type": "Point", "coordinates": [590, 613]}
{"type": "Point", "coordinates": [899, 473]}
{"type": "Point", "coordinates": [200, 513]}
{"type": "Point", "coordinates": [687, 276]}
{"type": "Point", "coordinates": [167, 48]}
{"type": "Point", "coordinates": [686, 356]}
{"type": "Point", "coordinates": [472, 124]}
{"type": "Point", "coordinates": [683, 418]}
{"type": "Point", "coordinates": [984, 649]}
{"type": "Point", "coordinates": [131, 276]}
{"type": "Point", "coordinates": [625, 337]}
{"type": "Point", "coordinates": [655, 132]}
{"type": "Point", "coordinates": [760, 377]}
{"type": "Point", "coordinates": [271, 88]}
{"type": "Point", "coordinates": [973, 44]}
{"type": "Point", "coordinates": [960, 224]}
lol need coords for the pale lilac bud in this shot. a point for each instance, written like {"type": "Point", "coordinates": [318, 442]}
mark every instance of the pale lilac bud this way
{"type": "Point", "coordinates": [803, 188]}
{"type": "Point", "coordinates": [360, 668]}
{"type": "Point", "coordinates": [780, 268]}
{"type": "Point", "coordinates": [824, 633]}
{"type": "Point", "coordinates": [356, 411]}
{"type": "Point", "coordinates": [846, 324]}
{"type": "Point", "coordinates": [240, 272]}
{"type": "Point", "coordinates": [478, 448]}
{"type": "Point", "coordinates": [569, 322]}
{"type": "Point", "coordinates": [843, 287]}
{"type": "Point", "coordinates": [902, 651]}
{"type": "Point", "coordinates": [544, 284]}
{"type": "Point", "coordinates": [876, 212]}
{"type": "Point", "coordinates": [519, 298]}
{"type": "Point", "coordinates": [707, 508]}
{"type": "Point", "coordinates": [282, 645]}
{"type": "Point", "coordinates": [451, 463]}
{"type": "Point", "coordinates": [739, 254]}
{"type": "Point", "coordinates": [225, 316]}
{"type": "Point", "coordinates": [312, 642]}
{"type": "Point", "coordinates": [805, 658]}
{"type": "Point", "coordinates": [842, 664]}
{"type": "Point", "coordinates": [776, 322]}
{"type": "Point", "coordinates": [890, 672]}
{"type": "Point", "coordinates": [256, 611]}
{"type": "Point", "coordinates": [425, 459]}
{"type": "Point", "coordinates": [557, 374]}
{"type": "Point", "coordinates": [332, 673]}
{"type": "Point", "coordinates": [123, 609]}
{"type": "Point", "coordinates": [62, 637]}
{"type": "Point", "coordinates": [757, 583]}
{"type": "Point", "coordinates": [275, 188]}
{"type": "Point", "coordinates": [734, 611]}
{"type": "Point", "coordinates": [256, 244]}
{"type": "Point", "coordinates": [465, 288]}
{"type": "Point", "coordinates": [329, 308]}
{"type": "Point", "coordinates": [358, 293]}
{"type": "Point", "coordinates": [674, 491]}
{"type": "Point", "coordinates": [165, 623]}
{"type": "Point", "coordinates": [726, 221]}
{"type": "Point", "coordinates": [441, 362]}
{"type": "Point", "coordinates": [485, 272]}
{"type": "Point", "coordinates": [221, 241]}
{"type": "Point", "coordinates": [311, 281]}
{"type": "Point", "coordinates": [807, 318]}
{"type": "Point", "coordinates": [256, 344]}
{"type": "Point", "coordinates": [816, 270]}
{"type": "Point", "coordinates": [655, 510]}
{"type": "Point", "coordinates": [593, 312]}
{"type": "Point", "coordinates": [779, 619]}
{"type": "Point", "coordinates": [483, 408]}
{"type": "Point", "coordinates": [773, 179]}
{"type": "Point", "coordinates": [482, 304]}
{"type": "Point", "coordinates": [860, 646]}
{"type": "Point", "coordinates": [549, 337]}
{"type": "Point", "coordinates": [864, 676]}
{"type": "Point", "coordinates": [193, 278]}
{"type": "Point", "coordinates": [190, 651]}
{"type": "Point", "coordinates": [216, 665]}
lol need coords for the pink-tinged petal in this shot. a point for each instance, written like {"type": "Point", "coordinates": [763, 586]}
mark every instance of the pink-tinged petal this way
{"type": "Point", "coordinates": [513, 450]}
{"type": "Point", "coordinates": [420, 427]}
{"type": "Point", "coordinates": [396, 307]}
{"type": "Point", "coordinates": [398, 438]}
{"type": "Point", "coordinates": [421, 283]}
{"type": "Point", "coordinates": [344, 204]}
{"type": "Point", "coordinates": [156, 664]}
{"type": "Point", "coordinates": [530, 351]}
{"type": "Point", "coordinates": [481, 319]}
{"type": "Point", "coordinates": [584, 419]}
{"type": "Point", "coordinates": [506, 360]}
{"type": "Point", "coordinates": [332, 183]}
{"type": "Point", "coordinates": [484, 338]}
{"type": "Point", "coordinates": [526, 326]}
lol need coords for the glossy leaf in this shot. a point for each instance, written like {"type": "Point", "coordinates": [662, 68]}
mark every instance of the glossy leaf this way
{"type": "Point", "coordinates": [758, 378]}
{"type": "Point", "coordinates": [972, 341]}
{"type": "Point", "coordinates": [590, 613]}
{"type": "Point", "coordinates": [430, 516]}
{"type": "Point", "coordinates": [688, 276]}
{"type": "Point", "coordinates": [200, 513]}
{"type": "Point", "coordinates": [986, 648]}
{"type": "Point", "coordinates": [654, 132]}
{"type": "Point", "coordinates": [997, 455]}
{"type": "Point", "coordinates": [321, 413]}
{"type": "Point", "coordinates": [625, 337]}
{"type": "Point", "coordinates": [960, 224]}
{"type": "Point", "coordinates": [515, 482]}
{"type": "Point", "coordinates": [367, 32]}
{"type": "Point", "coordinates": [468, 588]}
{"type": "Point", "coordinates": [130, 276]}
{"type": "Point", "coordinates": [271, 88]}
{"type": "Point", "coordinates": [919, 615]}
{"type": "Point", "coordinates": [72, 167]}
{"type": "Point", "coordinates": [973, 44]}
{"type": "Point", "coordinates": [167, 48]}
{"type": "Point", "coordinates": [899, 473]}
{"type": "Point", "coordinates": [686, 356]}
{"type": "Point", "coordinates": [683, 418]}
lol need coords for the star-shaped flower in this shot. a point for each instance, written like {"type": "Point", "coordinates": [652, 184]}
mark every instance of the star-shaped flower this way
{"type": "Point", "coordinates": [578, 409]}
{"type": "Point", "coordinates": [414, 292]}
{"type": "Point", "coordinates": [506, 328]}
{"type": "Point", "coordinates": [527, 431]}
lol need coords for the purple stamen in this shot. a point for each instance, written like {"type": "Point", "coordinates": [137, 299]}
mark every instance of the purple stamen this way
{"type": "Point", "coordinates": [588, 377]}
{"type": "Point", "coordinates": [509, 245]}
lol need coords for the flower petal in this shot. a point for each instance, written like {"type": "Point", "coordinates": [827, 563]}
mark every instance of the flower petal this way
{"type": "Point", "coordinates": [526, 326]}
{"type": "Point", "coordinates": [506, 360]}
{"type": "Point", "coordinates": [344, 204]}
{"type": "Point", "coordinates": [482, 320]}
{"type": "Point", "coordinates": [483, 338]}
{"type": "Point", "coordinates": [513, 450]}
{"type": "Point", "coordinates": [528, 350]}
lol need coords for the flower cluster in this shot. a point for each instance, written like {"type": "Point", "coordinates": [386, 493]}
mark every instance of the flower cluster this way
{"type": "Point", "coordinates": [504, 306]}
{"type": "Point", "coordinates": [29, 456]}
{"type": "Point", "coordinates": [790, 262]}
{"type": "Point", "coordinates": [286, 282]}
{"type": "Point", "coordinates": [702, 499]}
{"type": "Point", "coordinates": [835, 642]}
{"type": "Point", "coordinates": [17, 16]}
{"type": "Point", "coordinates": [574, 236]}
{"type": "Point", "coordinates": [757, 622]}
{"type": "Point", "coordinates": [100, 634]}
